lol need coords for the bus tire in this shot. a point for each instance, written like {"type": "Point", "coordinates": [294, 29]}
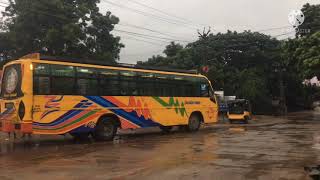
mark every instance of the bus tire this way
{"type": "Point", "coordinates": [106, 129]}
{"type": "Point", "coordinates": [194, 123]}
{"type": "Point", "coordinates": [166, 129]}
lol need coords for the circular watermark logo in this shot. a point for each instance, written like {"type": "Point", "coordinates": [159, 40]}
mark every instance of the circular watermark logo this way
{"type": "Point", "coordinates": [296, 18]}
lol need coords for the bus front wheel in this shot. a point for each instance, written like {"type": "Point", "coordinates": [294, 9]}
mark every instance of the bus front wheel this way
{"type": "Point", "coordinates": [105, 130]}
{"type": "Point", "coordinates": [194, 123]}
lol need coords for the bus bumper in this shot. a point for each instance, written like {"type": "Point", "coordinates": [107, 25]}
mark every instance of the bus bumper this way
{"type": "Point", "coordinates": [8, 127]}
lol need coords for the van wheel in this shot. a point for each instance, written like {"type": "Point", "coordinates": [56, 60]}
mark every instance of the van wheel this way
{"type": "Point", "coordinates": [194, 123]}
{"type": "Point", "coordinates": [105, 130]}
{"type": "Point", "coordinates": [166, 129]}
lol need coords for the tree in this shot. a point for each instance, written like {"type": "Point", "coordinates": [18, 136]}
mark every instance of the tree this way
{"type": "Point", "coordinates": [312, 20]}
{"type": "Point", "coordinates": [300, 58]}
{"type": "Point", "coordinates": [68, 28]}
{"type": "Point", "coordinates": [308, 54]}
{"type": "Point", "coordinates": [240, 63]}
{"type": "Point", "coordinates": [172, 49]}
{"type": "Point", "coordinates": [256, 66]}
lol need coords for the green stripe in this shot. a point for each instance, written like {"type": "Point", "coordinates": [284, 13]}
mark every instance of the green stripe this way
{"type": "Point", "coordinates": [172, 103]}
{"type": "Point", "coordinates": [78, 120]}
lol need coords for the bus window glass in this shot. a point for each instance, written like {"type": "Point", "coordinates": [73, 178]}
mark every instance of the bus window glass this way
{"type": "Point", "coordinates": [42, 69]}
{"type": "Point", "coordinates": [83, 72]}
{"type": "Point", "coordinates": [87, 86]}
{"type": "Point", "coordinates": [146, 84]}
{"type": "Point", "coordinates": [87, 82]}
{"type": "Point", "coordinates": [109, 82]}
{"type": "Point", "coordinates": [165, 85]}
{"type": "Point", "coordinates": [182, 89]}
{"type": "Point", "coordinates": [41, 80]}
{"type": "Point", "coordinates": [128, 83]}
{"type": "Point", "coordinates": [63, 80]}
{"type": "Point", "coordinates": [62, 71]}
{"type": "Point", "coordinates": [41, 85]}
{"type": "Point", "coordinates": [204, 88]}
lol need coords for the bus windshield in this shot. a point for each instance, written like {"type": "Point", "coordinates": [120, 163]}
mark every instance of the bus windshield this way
{"type": "Point", "coordinates": [11, 82]}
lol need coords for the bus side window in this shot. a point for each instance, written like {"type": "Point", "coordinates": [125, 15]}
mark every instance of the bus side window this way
{"type": "Point", "coordinates": [62, 80]}
{"type": "Point", "coordinates": [145, 84]}
{"type": "Point", "coordinates": [41, 79]}
{"type": "Point", "coordinates": [204, 89]}
{"type": "Point", "coordinates": [41, 85]}
{"type": "Point", "coordinates": [165, 86]}
{"type": "Point", "coordinates": [109, 82]}
{"type": "Point", "coordinates": [128, 83]}
{"type": "Point", "coordinates": [87, 81]}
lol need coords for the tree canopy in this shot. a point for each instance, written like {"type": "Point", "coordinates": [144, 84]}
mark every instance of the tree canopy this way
{"type": "Point", "coordinates": [311, 23]}
{"type": "Point", "coordinates": [240, 63]}
{"type": "Point", "coordinates": [253, 65]}
{"type": "Point", "coordinates": [68, 28]}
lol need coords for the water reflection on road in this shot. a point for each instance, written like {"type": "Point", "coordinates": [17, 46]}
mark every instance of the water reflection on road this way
{"type": "Point", "coordinates": [267, 149]}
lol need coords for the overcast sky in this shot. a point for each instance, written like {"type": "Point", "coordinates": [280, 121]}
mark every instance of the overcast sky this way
{"type": "Point", "coordinates": [221, 15]}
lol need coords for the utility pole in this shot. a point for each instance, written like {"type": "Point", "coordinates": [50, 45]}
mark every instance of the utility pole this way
{"type": "Point", "coordinates": [204, 36]}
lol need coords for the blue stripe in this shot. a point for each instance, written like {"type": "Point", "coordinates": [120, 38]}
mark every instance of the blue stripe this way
{"type": "Point", "coordinates": [132, 116]}
{"type": "Point", "coordinates": [61, 119]}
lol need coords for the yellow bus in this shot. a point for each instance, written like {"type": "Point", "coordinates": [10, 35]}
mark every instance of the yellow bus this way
{"type": "Point", "coordinates": [43, 95]}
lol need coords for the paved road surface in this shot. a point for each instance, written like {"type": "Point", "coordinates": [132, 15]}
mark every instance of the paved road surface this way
{"type": "Point", "coordinates": [269, 148]}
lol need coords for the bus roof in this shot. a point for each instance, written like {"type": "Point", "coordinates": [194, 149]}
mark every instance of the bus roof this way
{"type": "Point", "coordinates": [39, 57]}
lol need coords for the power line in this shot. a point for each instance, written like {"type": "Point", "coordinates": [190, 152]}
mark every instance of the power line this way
{"type": "Point", "coordinates": [170, 21]}
{"type": "Point", "coordinates": [128, 32]}
{"type": "Point", "coordinates": [147, 29]}
{"type": "Point", "coordinates": [134, 33]}
{"type": "Point", "coordinates": [148, 38]}
{"type": "Point", "coordinates": [271, 29]}
{"type": "Point", "coordinates": [160, 11]}
{"type": "Point", "coordinates": [143, 53]}
{"type": "Point", "coordinates": [287, 33]}
{"type": "Point", "coordinates": [149, 42]}
{"type": "Point", "coordinates": [187, 21]}
{"type": "Point", "coordinates": [138, 34]}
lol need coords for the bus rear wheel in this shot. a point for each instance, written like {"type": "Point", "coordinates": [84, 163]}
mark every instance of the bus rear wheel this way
{"type": "Point", "coordinates": [105, 130]}
{"type": "Point", "coordinates": [194, 123]}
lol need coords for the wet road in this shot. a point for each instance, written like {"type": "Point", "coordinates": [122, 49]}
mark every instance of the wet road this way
{"type": "Point", "coordinates": [268, 148]}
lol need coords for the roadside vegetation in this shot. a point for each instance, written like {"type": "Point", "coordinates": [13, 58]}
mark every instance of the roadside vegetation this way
{"type": "Point", "coordinates": [247, 64]}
